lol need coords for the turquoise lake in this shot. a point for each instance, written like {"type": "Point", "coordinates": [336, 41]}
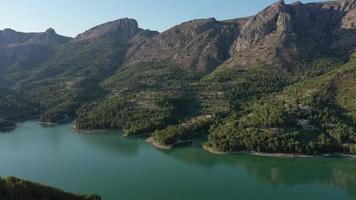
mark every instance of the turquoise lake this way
{"type": "Point", "coordinates": [119, 168]}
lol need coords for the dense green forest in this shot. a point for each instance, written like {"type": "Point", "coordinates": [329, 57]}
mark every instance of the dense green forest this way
{"type": "Point", "coordinates": [307, 109]}
{"type": "Point", "coordinates": [12, 188]}
{"type": "Point", "coordinates": [264, 109]}
{"type": "Point", "coordinates": [13, 108]}
{"type": "Point", "coordinates": [6, 125]}
{"type": "Point", "coordinates": [308, 117]}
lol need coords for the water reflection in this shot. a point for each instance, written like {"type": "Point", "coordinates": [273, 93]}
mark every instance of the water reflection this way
{"type": "Point", "coordinates": [115, 166]}
{"type": "Point", "coordinates": [273, 172]}
{"type": "Point", "coordinates": [108, 141]}
{"type": "Point", "coordinates": [112, 143]}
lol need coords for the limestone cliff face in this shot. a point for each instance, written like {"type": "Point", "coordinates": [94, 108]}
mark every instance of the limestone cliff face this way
{"type": "Point", "coordinates": [122, 29]}
{"type": "Point", "coordinates": [199, 44]}
{"type": "Point", "coordinates": [282, 34]}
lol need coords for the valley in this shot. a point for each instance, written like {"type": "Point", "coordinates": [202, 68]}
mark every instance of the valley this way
{"type": "Point", "coordinates": [280, 81]}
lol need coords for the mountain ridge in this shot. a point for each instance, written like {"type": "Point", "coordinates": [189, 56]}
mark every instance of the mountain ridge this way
{"type": "Point", "coordinates": [226, 78]}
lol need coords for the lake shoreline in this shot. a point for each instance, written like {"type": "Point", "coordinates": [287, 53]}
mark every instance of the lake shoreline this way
{"type": "Point", "coordinates": [92, 131]}
{"type": "Point", "coordinates": [158, 145]}
{"type": "Point", "coordinates": [65, 120]}
{"type": "Point", "coordinates": [7, 129]}
{"type": "Point", "coordinates": [108, 164]}
{"type": "Point", "coordinates": [276, 155]}
{"type": "Point", "coordinates": [154, 143]}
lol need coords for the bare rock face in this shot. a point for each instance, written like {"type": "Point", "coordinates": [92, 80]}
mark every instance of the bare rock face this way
{"type": "Point", "coordinates": [263, 36]}
{"type": "Point", "coordinates": [345, 35]}
{"type": "Point", "coordinates": [122, 29]}
{"type": "Point", "coordinates": [199, 45]}
{"type": "Point", "coordinates": [282, 34]}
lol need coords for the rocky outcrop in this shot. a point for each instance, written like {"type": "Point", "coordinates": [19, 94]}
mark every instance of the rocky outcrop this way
{"type": "Point", "coordinates": [200, 45]}
{"type": "Point", "coordinates": [282, 34]}
{"type": "Point", "coordinates": [122, 29]}
{"type": "Point", "coordinates": [10, 38]}
{"type": "Point", "coordinates": [49, 37]}
{"type": "Point", "coordinates": [278, 35]}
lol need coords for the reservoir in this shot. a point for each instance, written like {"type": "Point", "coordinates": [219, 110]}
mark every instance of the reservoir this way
{"type": "Point", "coordinates": [119, 168]}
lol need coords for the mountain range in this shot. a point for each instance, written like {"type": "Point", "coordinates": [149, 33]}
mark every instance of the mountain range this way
{"type": "Point", "coordinates": [279, 81]}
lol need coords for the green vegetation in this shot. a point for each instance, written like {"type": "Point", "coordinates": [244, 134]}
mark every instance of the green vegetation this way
{"type": "Point", "coordinates": [307, 109]}
{"type": "Point", "coordinates": [13, 188]}
{"type": "Point", "coordinates": [6, 125]}
{"type": "Point", "coordinates": [233, 136]}
{"type": "Point", "coordinates": [307, 117]}
{"type": "Point", "coordinates": [132, 116]}
{"type": "Point", "coordinates": [302, 108]}
{"type": "Point", "coordinates": [143, 99]}
{"type": "Point", "coordinates": [184, 131]}
{"type": "Point", "coordinates": [15, 107]}
{"type": "Point", "coordinates": [150, 77]}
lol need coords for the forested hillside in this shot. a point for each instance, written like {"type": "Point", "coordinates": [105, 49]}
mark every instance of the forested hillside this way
{"type": "Point", "coordinates": [12, 188]}
{"type": "Point", "coordinates": [280, 81]}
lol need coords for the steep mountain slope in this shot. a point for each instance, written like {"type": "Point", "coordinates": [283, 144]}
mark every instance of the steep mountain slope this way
{"type": "Point", "coordinates": [282, 45]}
{"type": "Point", "coordinates": [75, 70]}
{"type": "Point", "coordinates": [284, 34]}
{"type": "Point", "coordinates": [199, 45]}
{"type": "Point", "coordinates": [61, 77]}
{"type": "Point", "coordinates": [20, 52]}
{"type": "Point", "coordinates": [157, 74]}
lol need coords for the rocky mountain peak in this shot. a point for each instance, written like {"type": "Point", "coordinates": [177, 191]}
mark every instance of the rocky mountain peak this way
{"type": "Point", "coordinates": [279, 3]}
{"type": "Point", "coordinates": [276, 7]}
{"type": "Point", "coordinates": [50, 31]}
{"type": "Point", "coordinates": [11, 38]}
{"type": "Point", "coordinates": [283, 32]}
{"type": "Point", "coordinates": [8, 30]}
{"type": "Point", "coordinates": [49, 37]}
{"type": "Point", "coordinates": [122, 29]}
{"type": "Point", "coordinates": [200, 44]}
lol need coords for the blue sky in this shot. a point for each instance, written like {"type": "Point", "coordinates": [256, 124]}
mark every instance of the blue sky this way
{"type": "Point", "coordinates": [71, 17]}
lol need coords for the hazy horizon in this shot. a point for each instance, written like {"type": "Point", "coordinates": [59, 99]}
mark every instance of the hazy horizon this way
{"type": "Point", "coordinates": [71, 18]}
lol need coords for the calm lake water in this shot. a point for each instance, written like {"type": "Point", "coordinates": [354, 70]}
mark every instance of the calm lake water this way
{"type": "Point", "coordinates": [129, 169]}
